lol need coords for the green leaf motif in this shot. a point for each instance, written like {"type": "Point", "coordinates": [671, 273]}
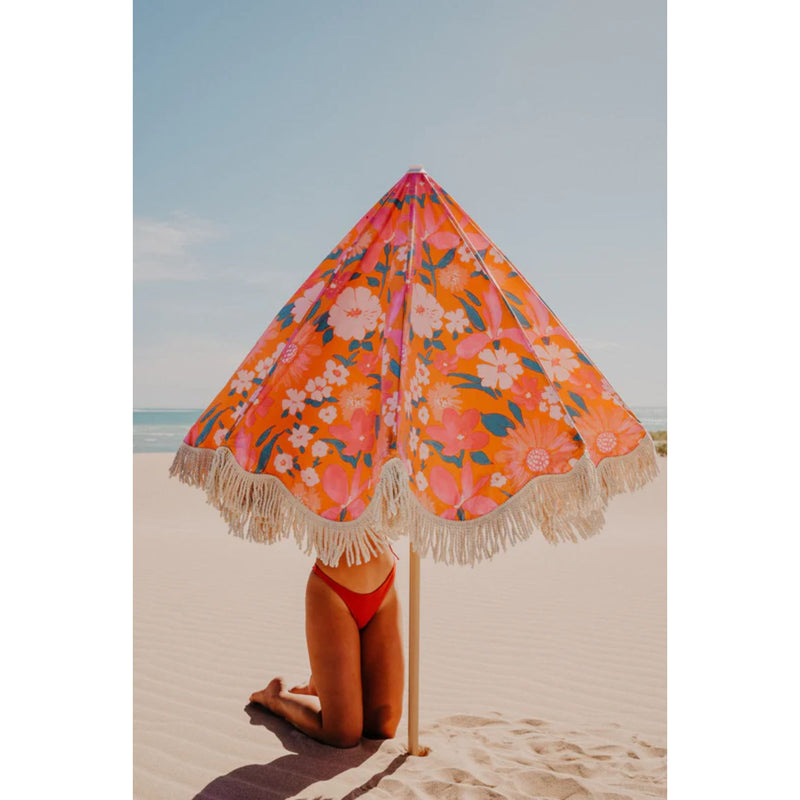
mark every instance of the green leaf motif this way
{"type": "Point", "coordinates": [497, 424]}
{"type": "Point", "coordinates": [578, 400]}
{"type": "Point", "coordinates": [474, 317]}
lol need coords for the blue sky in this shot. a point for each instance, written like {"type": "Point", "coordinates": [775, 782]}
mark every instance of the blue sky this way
{"type": "Point", "coordinates": [263, 131]}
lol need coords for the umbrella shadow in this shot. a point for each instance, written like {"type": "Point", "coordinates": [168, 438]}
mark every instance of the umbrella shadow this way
{"type": "Point", "coordinates": [308, 762]}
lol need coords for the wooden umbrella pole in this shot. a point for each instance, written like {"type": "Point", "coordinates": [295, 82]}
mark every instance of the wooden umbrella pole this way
{"type": "Point", "coordinates": [413, 652]}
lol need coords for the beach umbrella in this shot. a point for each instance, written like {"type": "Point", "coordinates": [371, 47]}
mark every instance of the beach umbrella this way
{"type": "Point", "coordinates": [415, 385]}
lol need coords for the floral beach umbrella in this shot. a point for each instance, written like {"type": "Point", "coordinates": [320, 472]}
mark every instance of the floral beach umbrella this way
{"type": "Point", "coordinates": [415, 384]}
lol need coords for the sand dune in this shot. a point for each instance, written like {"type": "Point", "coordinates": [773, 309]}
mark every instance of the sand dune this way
{"type": "Point", "coordinates": [543, 671]}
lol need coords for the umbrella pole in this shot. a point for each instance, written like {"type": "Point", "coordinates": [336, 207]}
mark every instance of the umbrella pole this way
{"type": "Point", "coordinates": [413, 652]}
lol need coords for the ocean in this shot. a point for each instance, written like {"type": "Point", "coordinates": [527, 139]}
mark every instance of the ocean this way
{"type": "Point", "coordinates": [161, 430]}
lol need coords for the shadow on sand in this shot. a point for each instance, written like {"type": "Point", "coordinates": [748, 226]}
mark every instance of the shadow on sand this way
{"type": "Point", "coordinates": [308, 762]}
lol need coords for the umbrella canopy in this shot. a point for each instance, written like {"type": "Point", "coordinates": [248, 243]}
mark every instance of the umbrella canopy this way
{"type": "Point", "coordinates": [415, 384]}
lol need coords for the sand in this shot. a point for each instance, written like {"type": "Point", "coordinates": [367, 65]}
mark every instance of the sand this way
{"type": "Point", "coordinates": [543, 671]}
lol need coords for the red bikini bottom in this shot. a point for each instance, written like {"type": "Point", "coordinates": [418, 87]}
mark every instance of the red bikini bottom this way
{"type": "Point", "coordinates": [362, 605]}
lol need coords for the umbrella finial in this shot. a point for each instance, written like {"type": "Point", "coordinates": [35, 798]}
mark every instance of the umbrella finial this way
{"type": "Point", "coordinates": [416, 168]}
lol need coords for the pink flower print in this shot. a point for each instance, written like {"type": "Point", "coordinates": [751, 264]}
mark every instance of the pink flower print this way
{"type": "Point", "coordinates": [355, 312]}
{"type": "Point", "coordinates": [543, 322]}
{"type": "Point", "coordinates": [328, 414]}
{"type": "Point", "coordinates": [294, 401]}
{"type": "Point", "coordinates": [318, 388]}
{"type": "Point", "coordinates": [457, 431]}
{"type": "Point", "coordinates": [445, 361]}
{"type": "Point", "coordinates": [304, 303]}
{"type": "Point", "coordinates": [445, 487]}
{"type": "Point", "coordinates": [426, 313]}
{"type": "Point", "coordinates": [282, 462]}
{"type": "Point", "coordinates": [557, 362]}
{"type": "Point", "coordinates": [367, 363]}
{"type": "Point", "coordinates": [346, 496]}
{"type": "Point", "coordinates": [543, 447]}
{"type": "Point", "coordinates": [335, 372]}
{"type": "Point", "coordinates": [454, 277]}
{"type": "Point", "coordinates": [610, 431]}
{"type": "Point", "coordinates": [300, 436]}
{"type": "Point", "coordinates": [358, 435]}
{"type": "Point", "coordinates": [526, 392]}
{"type": "Point", "coordinates": [456, 321]}
{"type": "Point", "coordinates": [501, 368]}
{"type": "Point", "coordinates": [309, 476]}
{"type": "Point", "coordinates": [243, 380]}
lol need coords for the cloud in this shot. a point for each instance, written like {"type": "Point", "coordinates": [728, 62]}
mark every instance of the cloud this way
{"type": "Point", "coordinates": [165, 249]}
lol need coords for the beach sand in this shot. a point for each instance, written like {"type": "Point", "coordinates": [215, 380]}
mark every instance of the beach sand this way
{"type": "Point", "coordinates": [543, 671]}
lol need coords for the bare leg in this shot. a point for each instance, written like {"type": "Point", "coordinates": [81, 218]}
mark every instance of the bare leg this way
{"type": "Point", "coordinates": [382, 670]}
{"type": "Point", "coordinates": [334, 716]}
{"type": "Point", "coordinates": [305, 688]}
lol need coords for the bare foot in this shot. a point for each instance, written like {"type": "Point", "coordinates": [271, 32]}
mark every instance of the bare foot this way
{"type": "Point", "coordinates": [307, 688]}
{"type": "Point", "coordinates": [268, 697]}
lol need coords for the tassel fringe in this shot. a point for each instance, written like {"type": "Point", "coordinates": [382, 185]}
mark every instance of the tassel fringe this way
{"type": "Point", "coordinates": [566, 507]}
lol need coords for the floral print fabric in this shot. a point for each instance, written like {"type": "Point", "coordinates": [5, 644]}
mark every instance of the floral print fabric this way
{"type": "Point", "coordinates": [415, 339]}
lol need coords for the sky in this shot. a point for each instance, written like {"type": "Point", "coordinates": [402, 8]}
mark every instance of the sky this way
{"type": "Point", "coordinates": [263, 131]}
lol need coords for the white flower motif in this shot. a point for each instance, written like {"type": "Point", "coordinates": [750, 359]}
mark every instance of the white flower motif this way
{"type": "Point", "coordinates": [495, 255]}
{"type": "Point", "coordinates": [501, 368]}
{"type": "Point", "coordinates": [294, 401]}
{"type": "Point", "coordinates": [421, 481]}
{"type": "Point", "coordinates": [415, 390]}
{"type": "Point", "coordinates": [390, 419]}
{"type": "Point", "coordinates": [309, 476]}
{"type": "Point", "coordinates": [300, 436]}
{"type": "Point", "coordinates": [328, 414]}
{"type": "Point", "coordinates": [335, 372]}
{"type": "Point", "coordinates": [413, 439]}
{"type": "Point", "coordinates": [456, 321]}
{"type": "Point", "coordinates": [423, 452]}
{"type": "Point", "coordinates": [557, 362]}
{"type": "Point", "coordinates": [391, 402]}
{"type": "Point", "coordinates": [424, 414]}
{"type": "Point", "coordinates": [423, 374]}
{"type": "Point", "coordinates": [426, 313]}
{"type": "Point", "coordinates": [465, 254]}
{"type": "Point", "coordinates": [355, 312]}
{"type": "Point", "coordinates": [237, 412]}
{"type": "Point", "coordinates": [320, 449]}
{"type": "Point", "coordinates": [219, 435]}
{"type": "Point", "coordinates": [498, 479]}
{"type": "Point", "coordinates": [262, 368]}
{"type": "Point", "coordinates": [243, 380]}
{"type": "Point", "coordinates": [282, 462]}
{"type": "Point", "coordinates": [402, 252]}
{"type": "Point", "coordinates": [557, 412]}
{"type": "Point", "coordinates": [318, 388]}
{"type": "Point", "coordinates": [549, 396]}
{"type": "Point", "coordinates": [302, 304]}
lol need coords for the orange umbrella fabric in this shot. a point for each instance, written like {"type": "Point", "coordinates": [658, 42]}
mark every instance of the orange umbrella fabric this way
{"type": "Point", "coordinates": [415, 384]}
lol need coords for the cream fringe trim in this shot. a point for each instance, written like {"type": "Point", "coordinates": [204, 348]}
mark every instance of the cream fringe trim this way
{"type": "Point", "coordinates": [566, 507]}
